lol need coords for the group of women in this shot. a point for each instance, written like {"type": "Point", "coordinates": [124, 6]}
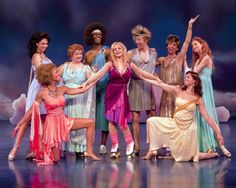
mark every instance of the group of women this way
{"type": "Point", "coordinates": [129, 91]}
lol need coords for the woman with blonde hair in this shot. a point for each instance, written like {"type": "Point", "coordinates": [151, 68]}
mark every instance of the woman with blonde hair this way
{"type": "Point", "coordinates": [117, 109]}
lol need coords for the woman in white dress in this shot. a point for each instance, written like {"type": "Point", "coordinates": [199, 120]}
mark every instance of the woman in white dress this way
{"type": "Point", "coordinates": [37, 46]}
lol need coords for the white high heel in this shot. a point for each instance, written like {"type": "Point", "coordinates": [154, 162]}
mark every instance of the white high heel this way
{"type": "Point", "coordinates": [12, 154]}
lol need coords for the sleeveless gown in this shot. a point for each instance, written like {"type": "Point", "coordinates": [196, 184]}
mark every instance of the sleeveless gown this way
{"type": "Point", "coordinates": [77, 106]}
{"type": "Point", "coordinates": [179, 133]}
{"type": "Point", "coordinates": [34, 88]}
{"type": "Point", "coordinates": [117, 107]}
{"type": "Point", "coordinates": [54, 131]}
{"type": "Point", "coordinates": [206, 138]}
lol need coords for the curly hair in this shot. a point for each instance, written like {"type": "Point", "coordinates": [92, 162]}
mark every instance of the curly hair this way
{"type": "Point", "coordinates": [198, 84]}
{"type": "Point", "coordinates": [44, 73]}
{"type": "Point", "coordinates": [142, 31]}
{"type": "Point", "coordinates": [72, 48]}
{"type": "Point", "coordinates": [125, 57]}
{"type": "Point", "coordinates": [36, 38]}
{"type": "Point", "coordinates": [173, 38]}
{"type": "Point", "coordinates": [205, 51]}
{"type": "Point", "coordinates": [88, 36]}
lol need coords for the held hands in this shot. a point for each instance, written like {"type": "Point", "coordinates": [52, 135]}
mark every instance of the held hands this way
{"type": "Point", "coordinates": [192, 20]}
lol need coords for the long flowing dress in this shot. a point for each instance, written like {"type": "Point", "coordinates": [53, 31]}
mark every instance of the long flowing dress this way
{"type": "Point", "coordinates": [141, 97]}
{"type": "Point", "coordinates": [206, 138]}
{"type": "Point", "coordinates": [77, 106]}
{"type": "Point", "coordinates": [100, 120]}
{"type": "Point", "coordinates": [54, 131]}
{"type": "Point", "coordinates": [34, 88]}
{"type": "Point", "coordinates": [179, 133]}
{"type": "Point", "coordinates": [117, 107]}
{"type": "Point", "coordinates": [172, 75]}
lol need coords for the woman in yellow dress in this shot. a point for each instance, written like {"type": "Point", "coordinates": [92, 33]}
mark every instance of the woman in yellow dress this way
{"type": "Point", "coordinates": [180, 132]}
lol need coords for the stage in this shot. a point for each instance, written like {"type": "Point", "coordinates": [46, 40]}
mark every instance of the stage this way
{"type": "Point", "coordinates": [72, 172]}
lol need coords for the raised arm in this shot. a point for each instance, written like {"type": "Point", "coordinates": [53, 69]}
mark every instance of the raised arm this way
{"type": "Point", "coordinates": [188, 37]}
{"type": "Point", "coordinates": [142, 74]}
{"type": "Point", "coordinates": [210, 121]}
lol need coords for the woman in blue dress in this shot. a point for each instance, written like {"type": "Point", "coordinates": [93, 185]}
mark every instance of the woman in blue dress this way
{"type": "Point", "coordinates": [202, 63]}
{"type": "Point", "coordinates": [74, 73]}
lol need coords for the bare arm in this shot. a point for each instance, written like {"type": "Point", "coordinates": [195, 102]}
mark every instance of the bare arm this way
{"type": "Point", "coordinates": [188, 37]}
{"type": "Point", "coordinates": [36, 60]}
{"type": "Point", "coordinates": [159, 61]}
{"type": "Point", "coordinates": [140, 73]}
{"type": "Point", "coordinates": [88, 72]}
{"type": "Point", "coordinates": [61, 68]}
{"type": "Point", "coordinates": [210, 121]}
{"type": "Point", "coordinates": [27, 116]}
{"type": "Point", "coordinates": [206, 61]}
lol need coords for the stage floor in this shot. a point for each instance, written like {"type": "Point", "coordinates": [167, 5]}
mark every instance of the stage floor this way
{"type": "Point", "coordinates": [72, 172]}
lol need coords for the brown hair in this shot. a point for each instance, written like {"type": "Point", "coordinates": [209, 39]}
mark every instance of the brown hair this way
{"type": "Point", "coordinates": [142, 31]}
{"type": "Point", "coordinates": [198, 84]}
{"type": "Point", "coordinates": [205, 51]}
{"type": "Point", "coordinates": [173, 38]}
{"type": "Point", "coordinates": [72, 48]}
{"type": "Point", "coordinates": [44, 73]}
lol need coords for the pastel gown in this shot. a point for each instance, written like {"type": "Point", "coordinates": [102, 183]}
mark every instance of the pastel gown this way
{"type": "Point", "coordinates": [34, 88]}
{"type": "Point", "coordinates": [141, 96]}
{"type": "Point", "coordinates": [178, 133]}
{"type": "Point", "coordinates": [77, 106]}
{"type": "Point", "coordinates": [100, 119]}
{"type": "Point", "coordinates": [117, 108]}
{"type": "Point", "coordinates": [54, 131]}
{"type": "Point", "coordinates": [206, 138]}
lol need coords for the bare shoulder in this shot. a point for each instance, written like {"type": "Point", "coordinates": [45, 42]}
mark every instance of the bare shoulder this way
{"type": "Point", "coordinates": [36, 59]}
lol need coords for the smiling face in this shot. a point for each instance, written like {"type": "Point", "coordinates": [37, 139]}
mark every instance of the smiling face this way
{"type": "Point", "coordinates": [188, 80]}
{"type": "Point", "coordinates": [140, 41]}
{"type": "Point", "coordinates": [97, 37]}
{"type": "Point", "coordinates": [118, 51]}
{"type": "Point", "coordinates": [55, 74]}
{"type": "Point", "coordinates": [172, 48]}
{"type": "Point", "coordinates": [77, 56]}
{"type": "Point", "coordinates": [196, 46]}
{"type": "Point", "coordinates": [42, 45]}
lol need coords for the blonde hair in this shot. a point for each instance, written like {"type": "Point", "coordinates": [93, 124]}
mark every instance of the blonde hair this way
{"type": "Point", "coordinates": [125, 56]}
{"type": "Point", "coordinates": [72, 48]}
{"type": "Point", "coordinates": [142, 31]}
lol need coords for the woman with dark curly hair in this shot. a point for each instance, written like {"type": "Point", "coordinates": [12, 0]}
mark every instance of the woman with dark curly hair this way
{"type": "Point", "coordinates": [95, 36]}
{"type": "Point", "coordinates": [180, 132]}
{"type": "Point", "coordinates": [46, 141]}
{"type": "Point", "coordinates": [37, 47]}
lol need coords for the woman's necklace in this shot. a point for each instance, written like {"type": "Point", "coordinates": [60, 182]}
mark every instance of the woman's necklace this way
{"type": "Point", "coordinates": [52, 93]}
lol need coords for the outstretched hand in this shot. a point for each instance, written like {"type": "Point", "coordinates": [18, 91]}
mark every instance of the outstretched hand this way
{"type": "Point", "coordinates": [192, 20]}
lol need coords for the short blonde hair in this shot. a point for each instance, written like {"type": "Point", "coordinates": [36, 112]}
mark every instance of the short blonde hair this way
{"type": "Point", "coordinates": [142, 31]}
{"type": "Point", "coordinates": [72, 48]}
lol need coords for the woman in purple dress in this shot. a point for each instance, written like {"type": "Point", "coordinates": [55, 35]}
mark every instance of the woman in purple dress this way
{"type": "Point", "coordinates": [117, 109]}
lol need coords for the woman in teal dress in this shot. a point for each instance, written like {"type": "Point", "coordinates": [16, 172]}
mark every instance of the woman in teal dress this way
{"type": "Point", "coordinates": [75, 73]}
{"type": "Point", "coordinates": [202, 63]}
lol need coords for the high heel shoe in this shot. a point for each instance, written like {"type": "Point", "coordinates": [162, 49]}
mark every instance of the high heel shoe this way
{"type": "Point", "coordinates": [91, 156]}
{"type": "Point", "coordinates": [150, 155]}
{"type": "Point", "coordinates": [12, 154]}
{"type": "Point", "coordinates": [225, 151]}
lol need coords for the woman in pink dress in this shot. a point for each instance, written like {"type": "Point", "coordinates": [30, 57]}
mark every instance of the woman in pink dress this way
{"type": "Point", "coordinates": [117, 109]}
{"type": "Point", "coordinates": [46, 140]}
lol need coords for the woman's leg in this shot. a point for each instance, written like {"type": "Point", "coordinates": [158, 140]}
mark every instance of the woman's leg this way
{"type": "Point", "coordinates": [80, 123]}
{"type": "Point", "coordinates": [56, 154]}
{"type": "Point", "coordinates": [129, 141]}
{"type": "Point", "coordinates": [19, 136]}
{"type": "Point", "coordinates": [135, 128]}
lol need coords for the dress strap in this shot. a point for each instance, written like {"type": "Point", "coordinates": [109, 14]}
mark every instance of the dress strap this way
{"type": "Point", "coordinates": [186, 105]}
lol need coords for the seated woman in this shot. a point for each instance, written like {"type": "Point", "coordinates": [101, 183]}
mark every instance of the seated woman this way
{"type": "Point", "coordinates": [46, 140]}
{"type": "Point", "coordinates": [180, 132]}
